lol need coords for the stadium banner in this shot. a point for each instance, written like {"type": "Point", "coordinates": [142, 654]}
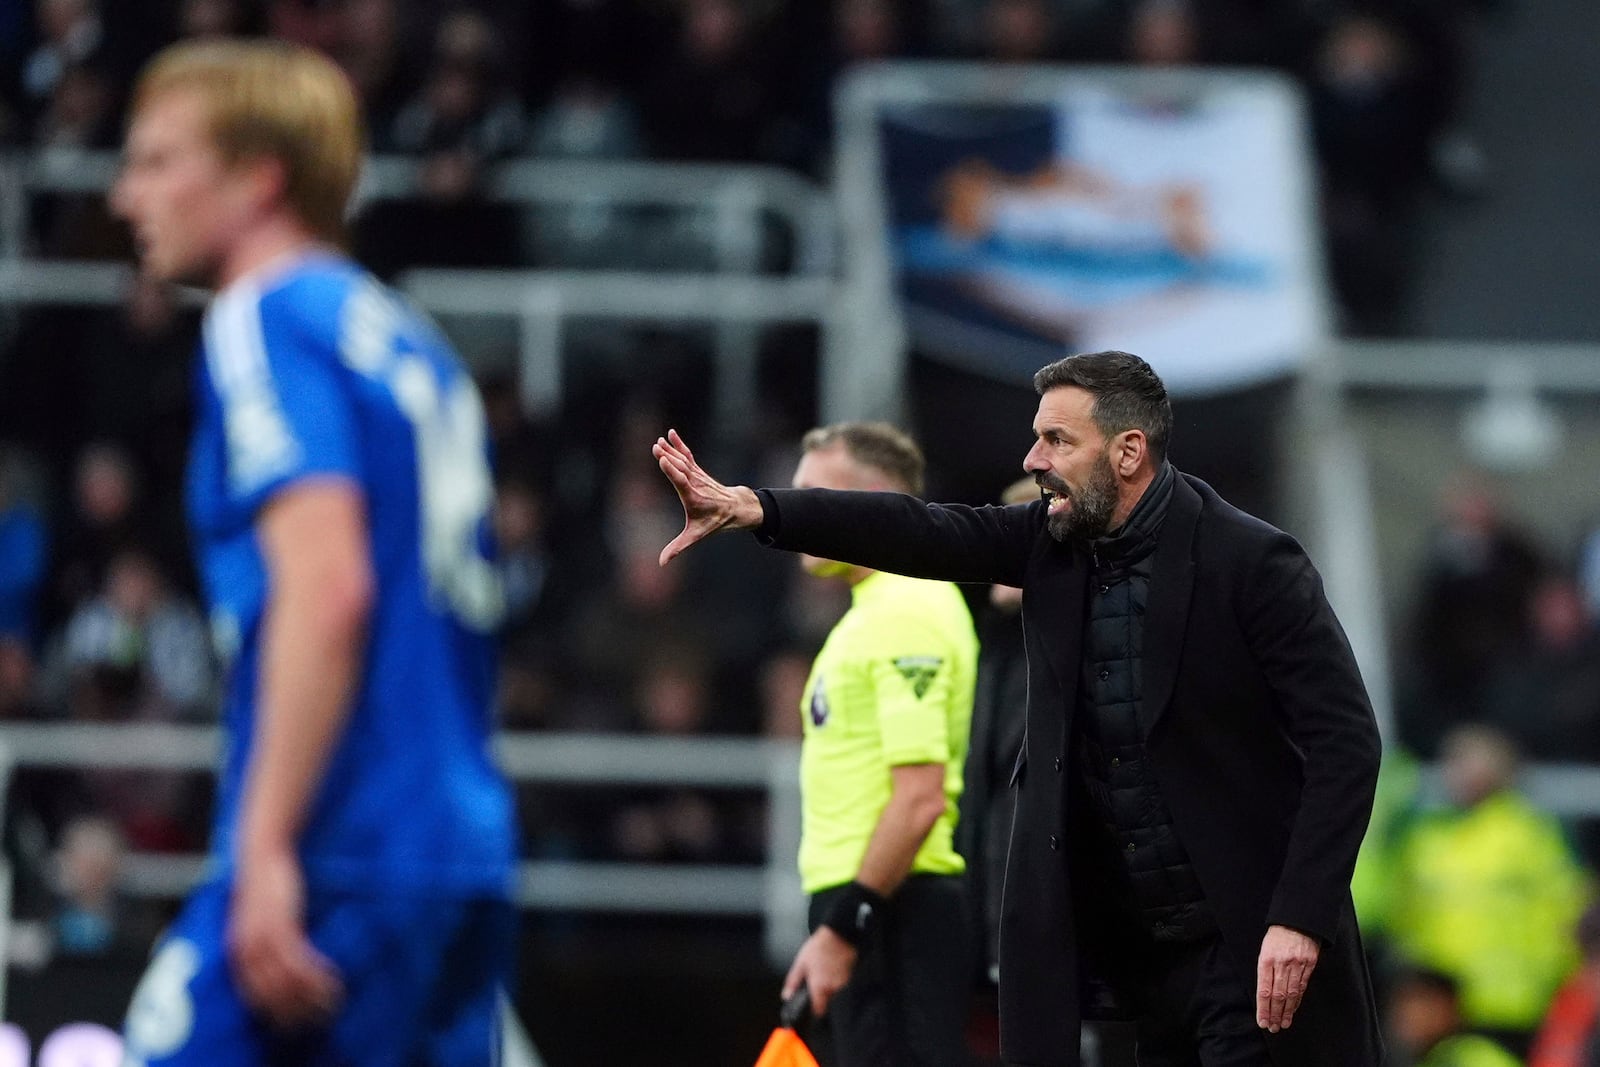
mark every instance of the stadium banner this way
{"type": "Point", "coordinates": [1030, 216]}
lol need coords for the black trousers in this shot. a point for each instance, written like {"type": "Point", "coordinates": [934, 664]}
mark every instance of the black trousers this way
{"type": "Point", "coordinates": [906, 1002]}
{"type": "Point", "coordinates": [1194, 1011]}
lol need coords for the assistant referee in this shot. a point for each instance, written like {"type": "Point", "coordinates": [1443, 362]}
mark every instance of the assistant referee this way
{"type": "Point", "coordinates": [886, 713]}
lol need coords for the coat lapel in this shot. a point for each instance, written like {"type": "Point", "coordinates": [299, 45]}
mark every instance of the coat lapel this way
{"type": "Point", "coordinates": [1167, 614]}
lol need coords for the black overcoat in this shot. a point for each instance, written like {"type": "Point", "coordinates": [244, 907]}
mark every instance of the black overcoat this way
{"type": "Point", "coordinates": [1255, 718]}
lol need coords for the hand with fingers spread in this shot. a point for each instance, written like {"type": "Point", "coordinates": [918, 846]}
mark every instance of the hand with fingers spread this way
{"type": "Point", "coordinates": [279, 971]}
{"type": "Point", "coordinates": [708, 506]}
{"type": "Point", "coordinates": [1287, 959]}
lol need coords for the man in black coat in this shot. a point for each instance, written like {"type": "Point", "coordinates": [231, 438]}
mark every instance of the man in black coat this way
{"type": "Point", "coordinates": [1200, 754]}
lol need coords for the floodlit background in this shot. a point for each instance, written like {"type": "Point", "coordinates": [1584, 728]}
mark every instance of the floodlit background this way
{"type": "Point", "coordinates": [1357, 237]}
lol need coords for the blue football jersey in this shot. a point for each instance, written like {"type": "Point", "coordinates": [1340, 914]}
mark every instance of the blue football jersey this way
{"type": "Point", "coordinates": [313, 369]}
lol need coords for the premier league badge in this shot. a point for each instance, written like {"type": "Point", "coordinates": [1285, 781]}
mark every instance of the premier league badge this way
{"type": "Point", "coordinates": [819, 704]}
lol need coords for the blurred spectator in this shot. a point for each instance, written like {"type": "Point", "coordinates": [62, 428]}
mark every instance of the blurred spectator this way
{"type": "Point", "coordinates": [708, 98]}
{"type": "Point", "coordinates": [783, 687]}
{"type": "Point", "coordinates": [812, 607]}
{"type": "Point", "coordinates": [1487, 891]}
{"type": "Point", "coordinates": [107, 515]}
{"type": "Point", "coordinates": [368, 42]}
{"type": "Point", "coordinates": [71, 34]}
{"type": "Point", "coordinates": [1545, 695]}
{"type": "Point", "coordinates": [859, 31]}
{"type": "Point", "coordinates": [24, 554]}
{"type": "Point", "coordinates": [588, 118]}
{"type": "Point", "coordinates": [92, 917]}
{"type": "Point", "coordinates": [465, 115]}
{"type": "Point", "coordinates": [672, 699]}
{"type": "Point", "coordinates": [1370, 119]}
{"type": "Point", "coordinates": [137, 649]}
{"type": "Point", "coordinates": [1019, 31]}
{"type": "Point", "coordinates": [524, 450]}
{"type": "Point", "coordinates": [1425, 1021]}
{"type": "Point", "coordinates": [1570, 1034]}
{"type": "Point", "coordinates": [1372, 885]}
{"type": "Point", "coordinates": [16, 680]}
{"type": "Point", "coordinates": [204, 20]}
{"type": "Point", "coordinates": [529, 692]}
{"type": "Point", "coordinates": [644, 606]}
{"type": "Point", "coordinates": [1589, 573]}
{"type": "Point", "coordinates": [1478, 578]}
{"type": "Point", "coordinates": [864, 30]}
{"type": "Point", "coordinates": [140, 355]}
{"type": "Point", "coordinates": [462, 120]}
{"type": "Point", "coordinates": [121, 373]}
{"type": "Point", "coordinates": [309, 22]}
{"type": "Point", "coordinates": [80, 112]}
{"type": "Point", "coordinates": [524, 563]}
{"type": "Point", "coordinates": [1164, 33]}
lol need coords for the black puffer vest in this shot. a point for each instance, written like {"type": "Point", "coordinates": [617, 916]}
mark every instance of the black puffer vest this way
{"type": "Point", "coordinates": [1120, 783]}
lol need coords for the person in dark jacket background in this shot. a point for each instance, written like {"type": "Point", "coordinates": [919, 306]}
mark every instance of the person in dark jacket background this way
{"type": "Point", "coordinates": [1200, 756]}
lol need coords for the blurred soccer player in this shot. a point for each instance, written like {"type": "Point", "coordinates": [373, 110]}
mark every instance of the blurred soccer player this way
{"type": "Point", "coordinates": [355, 909]}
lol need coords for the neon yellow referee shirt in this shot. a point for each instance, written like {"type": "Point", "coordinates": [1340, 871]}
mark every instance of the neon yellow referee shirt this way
{"type": "Point", "coordinates": [892, 685]}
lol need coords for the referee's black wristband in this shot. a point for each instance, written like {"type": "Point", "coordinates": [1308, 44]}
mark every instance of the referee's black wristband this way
{"type": "Point", "coordinates": [853, 915]}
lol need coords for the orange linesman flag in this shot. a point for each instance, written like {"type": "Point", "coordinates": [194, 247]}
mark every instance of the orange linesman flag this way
{"type": "Point", "coordinates": [784, 1047]}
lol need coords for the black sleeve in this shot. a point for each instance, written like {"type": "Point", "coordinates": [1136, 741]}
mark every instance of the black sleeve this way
{"type": "Point", "coordinates": [901, 534]}
{"type": "Point", "coordinates": [1307, 660]}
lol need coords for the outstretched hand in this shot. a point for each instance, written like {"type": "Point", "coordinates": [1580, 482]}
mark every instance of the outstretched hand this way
{"type": "Point", "coordinates": [708, 505]}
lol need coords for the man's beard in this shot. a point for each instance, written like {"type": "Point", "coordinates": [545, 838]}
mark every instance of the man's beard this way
{"type": "Point", "coordinates": [1089, 516]}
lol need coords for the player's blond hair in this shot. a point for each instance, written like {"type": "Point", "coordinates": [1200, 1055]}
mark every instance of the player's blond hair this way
{"type": "Point", "coordinates": [270, 99]}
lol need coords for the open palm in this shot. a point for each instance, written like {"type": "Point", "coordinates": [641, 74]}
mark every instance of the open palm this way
{"type": "Point", "coordinates": [708, 505]}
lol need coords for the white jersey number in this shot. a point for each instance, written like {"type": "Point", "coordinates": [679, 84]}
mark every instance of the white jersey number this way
{"type": "Point", "coordinates": [454, 489]}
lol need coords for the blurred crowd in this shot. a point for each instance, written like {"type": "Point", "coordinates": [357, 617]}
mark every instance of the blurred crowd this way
{"type": "Point", "coordinates": [1471, 895]}
{"type": "Point", "coordinates": [1478, 900]}
{"type": "Point", "coordinates": [465, 85]}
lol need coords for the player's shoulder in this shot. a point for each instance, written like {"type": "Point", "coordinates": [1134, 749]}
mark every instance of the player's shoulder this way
{"type": "Point", "coordinates": [313, 292]}
{"type": "Point", "coordinates": [304, 294]}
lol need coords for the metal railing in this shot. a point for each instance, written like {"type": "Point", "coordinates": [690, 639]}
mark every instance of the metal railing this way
{"type": "Point", "coordinates": [771, 892]}
{"type": "Point", "coordinates": [732, 296]}
{"type": "Point", "coordinates": [1342, 508]}
{"type": "Point", "coordinates": [737, 196]}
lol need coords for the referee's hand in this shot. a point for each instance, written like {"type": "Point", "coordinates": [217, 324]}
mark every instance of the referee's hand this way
{"type": "Point", "coordinates": [823, 966]}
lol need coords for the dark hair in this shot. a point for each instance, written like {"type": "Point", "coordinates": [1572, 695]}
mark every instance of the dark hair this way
{"type": "Point", "coordinates": [874, 444]}
{"type": "Point", "coordinates": [1128, 395]}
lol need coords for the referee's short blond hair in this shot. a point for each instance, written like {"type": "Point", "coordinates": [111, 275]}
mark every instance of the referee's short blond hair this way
{"type": "Point", "coordinates": [885, 448]}
{"type": "Point", "coordinates": [274, 100]}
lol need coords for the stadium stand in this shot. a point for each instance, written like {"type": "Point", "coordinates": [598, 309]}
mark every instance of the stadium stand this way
{"type": "Point", "coordinates": [621, 212]}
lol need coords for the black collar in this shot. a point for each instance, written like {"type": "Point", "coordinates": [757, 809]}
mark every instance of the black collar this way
{"type": "Point", "coordinates": [1136, 537]}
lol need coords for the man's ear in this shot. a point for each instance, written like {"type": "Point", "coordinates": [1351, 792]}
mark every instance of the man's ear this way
{"type": "Point", "coordinates": [265, 180]}
{"type": "Point", "coordinates": [1131, 450]}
